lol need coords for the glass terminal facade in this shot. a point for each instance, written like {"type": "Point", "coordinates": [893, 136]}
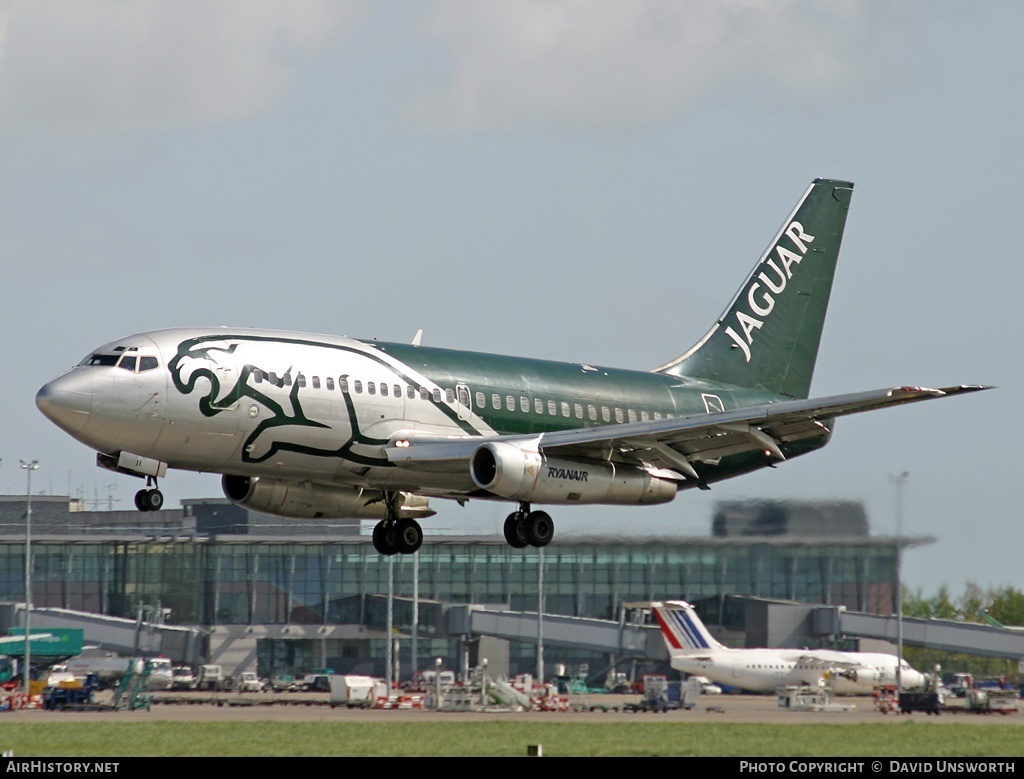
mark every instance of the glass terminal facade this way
{"type": "Point", "coordinates": [304, 581]}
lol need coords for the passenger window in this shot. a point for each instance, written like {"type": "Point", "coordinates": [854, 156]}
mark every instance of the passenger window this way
{"type": "Point", "coordinates": [371, 388]}
{"type": "Point", "coordinates": [565, 409]}
{"type": "Point", "coordinates": [592, 413]}
{"type": "Point", "coordinates": [481, 400]}
{"type": "Point", "coordinates": [300, 380]}
{"type": "Point", "coordinates": [510, 403]}
{"type": "Point", "coordinates": [272, 378]}
{"type": "Point", "coordinates": [606, 415]}
{"type": "Point", "coordinates": [316, 382]}
{"type": "Point", "coordinates": [383, 389]}
{"type": "Point", "coordinates": [496, 401]}
{"type": "Point", "coordinates": [632, 415]}
{"type": "Point", "coordinates": [410, 392]}
{"type": "Point", "coordinates": [618, 415]}
{"type": "Point", "coordinates": [128, 362]}
{"type": "Point", "coordinates": [449, 395]}
{"type": "Point", "coordinates": [643, 416]}
{"type": "Point", "coordinates": [578, 409]}
{"type": "Point", "coordinates": [552, 409]}
{"type": "Point", "coordinates": [147, 363]}
{"type": "Point", "coordinates": [437, 395]}
{"type": "Point", "coordinates": [257, 376]}
{"type": "Point", "coordinates": [287, 380]}
{"type": "Point", "coordinates": [398, 390]}
{"type": "Point", "coordinates": [359, 387]}
{"type": "Point", "coordinates": [538, 405]}
{"type": "Point", "coordinates": [657, 415]}
{"type": "Point", "coordinates": [524, 404]}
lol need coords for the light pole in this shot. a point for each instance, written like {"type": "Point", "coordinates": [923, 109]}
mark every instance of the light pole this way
{"type": "Point", "coordinates": [899, 479]}
{"type": "Point", "coordinates": [29, 466]}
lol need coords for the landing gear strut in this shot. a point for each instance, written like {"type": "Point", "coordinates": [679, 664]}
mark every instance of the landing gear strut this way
{"type": "Point", "coordinates": [149, 499]}
{"type": "Point", "coordinates": [395, 535]}
{"type": "Point", "coordinates": [525, 528]}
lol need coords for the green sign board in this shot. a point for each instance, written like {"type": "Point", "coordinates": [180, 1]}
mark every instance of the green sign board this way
{"type": "Point", "coordinates": [46, 642]}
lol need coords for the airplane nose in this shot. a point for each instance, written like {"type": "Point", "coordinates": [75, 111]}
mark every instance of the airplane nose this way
{"type": "Point", "coordinates": [67, 401]}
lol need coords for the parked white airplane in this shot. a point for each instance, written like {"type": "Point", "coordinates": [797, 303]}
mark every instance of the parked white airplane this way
{"type": "Point", "coordinates": [312, 426]}
{"type": "Point", "coordinates": [693, 650]}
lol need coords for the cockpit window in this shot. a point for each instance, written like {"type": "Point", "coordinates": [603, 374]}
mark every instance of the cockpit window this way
{"type": "Point", "coordinates": [101, 359]}
{"type": "Point", "coordinates": [129, 362]}
{"type": "Point", "coordinates": [125, 357]}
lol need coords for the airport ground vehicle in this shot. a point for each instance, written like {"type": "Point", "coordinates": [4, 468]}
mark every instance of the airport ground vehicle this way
{"type": "Point", "coordinates": [661, 694]}
{"type": "Point", "coordinates": [72, 693]}
{"type": "Point", "coordinates": [211, 677]}
{"type": "Point", "coordinates": [428, 680]}
{"type": "Point", "coordinates": [110, 668]}
{"type": "Point", "coordinates": [315, 682]}
{"type": "Point", "coordinates": [183, 678]}
{"type": "Point", "coordinates": [926, 701]}
{"type": "Point", "coordinates": [988, 700]}
{"type": "Point", "coordinates": [356, 691]}
{"type": "Point", "coordinates": [248, 681]}
{"type": "Point", "coordinates": [284, 683]}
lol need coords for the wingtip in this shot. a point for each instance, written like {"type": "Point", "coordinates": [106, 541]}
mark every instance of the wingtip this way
{"type": "Point", "coordinates": [970, 388]}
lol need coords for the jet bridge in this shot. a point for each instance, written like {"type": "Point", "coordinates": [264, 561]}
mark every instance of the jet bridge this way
{"type": "Point", "coordinates": [943, 634]}
{"type": "Point", "coordinates": [128, 636]}
{"type": "Point", "coordinates": [622, 639]}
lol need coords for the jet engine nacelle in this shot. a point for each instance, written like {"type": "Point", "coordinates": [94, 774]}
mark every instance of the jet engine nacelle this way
{"type": "Point", "coordinates": [305, 500]}
{"type": "Point", "coordinates": [521, 474]}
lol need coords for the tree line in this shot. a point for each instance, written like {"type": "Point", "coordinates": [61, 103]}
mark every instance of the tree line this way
{"type": "Point", "coordinates": [999, 606]}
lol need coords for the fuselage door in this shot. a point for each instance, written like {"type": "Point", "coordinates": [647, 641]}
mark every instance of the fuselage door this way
{"type": "Point", "coordinates": [462, 395]}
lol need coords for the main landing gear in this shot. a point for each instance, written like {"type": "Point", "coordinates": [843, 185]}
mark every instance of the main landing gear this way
{"type": "Point", "coordinates": [525, 528]}
{"type": "Point", "coordinates": [394, 535]}
{"type": "Point", "coordinates": [149, 499]}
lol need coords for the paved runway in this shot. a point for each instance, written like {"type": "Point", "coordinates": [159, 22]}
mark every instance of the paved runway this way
{"type": "Point", "coordinates": [308, 707]}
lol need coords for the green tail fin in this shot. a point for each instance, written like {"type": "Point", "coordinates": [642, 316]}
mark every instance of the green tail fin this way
{"type": "Point", "coordinates": [768, 336]}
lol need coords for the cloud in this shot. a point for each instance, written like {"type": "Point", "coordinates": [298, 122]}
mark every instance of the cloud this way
{"type": "Point", "coordinates": [99, 66]}
{"type": "Point", "coordinates": [613, 63]}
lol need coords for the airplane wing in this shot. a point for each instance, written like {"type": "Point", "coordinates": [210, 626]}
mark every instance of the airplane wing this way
{"type": "Point", "coordinates": [834, 663]}
{"type": "Point", "coordinates": [837, 663]}
{"type": "Point", "coordinates": [668, 447]}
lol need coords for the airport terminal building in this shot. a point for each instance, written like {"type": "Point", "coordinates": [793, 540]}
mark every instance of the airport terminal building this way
{"type": "Point", "coordinates": [276, 596]}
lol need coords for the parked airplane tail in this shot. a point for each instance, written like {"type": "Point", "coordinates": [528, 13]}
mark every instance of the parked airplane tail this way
{"type": "Point", "coordinates": [768, 336]}
{"type": "Point", "coordinates": [682, 629]}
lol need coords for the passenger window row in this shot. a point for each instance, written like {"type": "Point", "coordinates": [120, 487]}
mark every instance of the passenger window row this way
{"type": "Point", "coordinates": [498, 402]}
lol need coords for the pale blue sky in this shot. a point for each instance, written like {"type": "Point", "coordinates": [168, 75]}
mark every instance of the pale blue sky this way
{"type": "Point", "coordinates": [586, 181]}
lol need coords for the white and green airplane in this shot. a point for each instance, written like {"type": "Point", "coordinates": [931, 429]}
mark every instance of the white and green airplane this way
{"type": "Point", "coordinates": [312, 426]}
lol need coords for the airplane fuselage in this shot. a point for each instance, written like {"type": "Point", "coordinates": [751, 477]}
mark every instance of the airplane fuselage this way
{"type": "Point", "coordinates": [765, 670]}
{"type": "Point", "coordinates": [322, 408]}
